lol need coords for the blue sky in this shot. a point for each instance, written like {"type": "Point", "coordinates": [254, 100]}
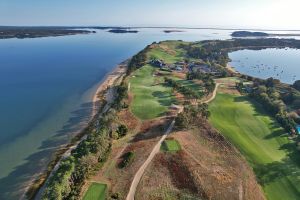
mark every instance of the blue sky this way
{"type": "Point", "coordinates": [276, 14]}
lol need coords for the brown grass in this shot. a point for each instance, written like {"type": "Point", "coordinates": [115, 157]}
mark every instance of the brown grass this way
{"type": "Point", "coordinates": [207, 167]}
{"type": "Point", "coordinates": [142, 143]}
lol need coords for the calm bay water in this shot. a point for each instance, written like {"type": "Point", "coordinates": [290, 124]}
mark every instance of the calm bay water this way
{"type": "Point", "coordinates": [46, 88]}
{"type": "Point", "coordinates": [282, 64]}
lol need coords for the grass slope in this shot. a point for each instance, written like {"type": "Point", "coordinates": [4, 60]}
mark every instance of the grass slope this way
{"type": "Point", "coordinates": [270, 153]}
{"type": "Point", "coordinates": [96, 191]}
{"type": "Point", "coordinates": [150, 99]}
{"type": "Point", "coordinates": [189, 84]}
{"type": "Point", "coordinates": [168, 52]}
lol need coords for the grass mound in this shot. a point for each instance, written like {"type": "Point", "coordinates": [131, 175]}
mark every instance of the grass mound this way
{"type": "Point", "coordinates": [262, 141]}
{"type": "Point", "coordinates": [96, 191]}
{"type": "Point", "coordinates": [170, 145]}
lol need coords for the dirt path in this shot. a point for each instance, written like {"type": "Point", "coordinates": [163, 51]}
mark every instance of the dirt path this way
{"type": "Point", "coordinates": [155, 150]}
{"type": "Point", "coordinates": [213, 94]}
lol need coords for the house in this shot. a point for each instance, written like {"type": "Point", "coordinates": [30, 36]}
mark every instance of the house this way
{"type": "Point", "coordinates": [178, 68]}
{"type": "Point", "coordinates": [157, 63]}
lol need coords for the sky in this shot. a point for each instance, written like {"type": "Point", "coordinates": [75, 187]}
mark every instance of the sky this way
{"type": "Point", "coordinates": [263, 14]}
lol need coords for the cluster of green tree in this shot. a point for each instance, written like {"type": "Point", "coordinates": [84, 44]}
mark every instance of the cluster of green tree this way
{"type": "Point", "coordinates": [259, 43]}
{"type": "Point", "coordinates": [122, 130]}
{"type": "Point", "coordinates": [121, 93]}
{"type": "Point", "coordinates": [240, 87]}
{"type": "Point", "coordinates": [265, 92]}
{"type": "Point", "coordinates": [192, 116]}
{"type": "Point", "coordinates": [187, 92]}
{"type": "Point", "coordinates": [138, 60]}
{"type": "Point", "coordinates": [67, 181]}
{"type": "Point", "coordinates": [217, 51]}
{"type": "Point", "coordinates": [296, 85]}
{"type": "Point", "coordinates": [206, 53]}
{"type": "Point", "coordinates": [292, 97]}
{"type": "Point", "coordinates": [127, 158]}
{"type": "Point", "coordinates": [207, 79]}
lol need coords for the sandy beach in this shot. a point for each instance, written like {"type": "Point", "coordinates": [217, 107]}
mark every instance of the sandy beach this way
{"type": "Point", "coordinates": [111, 79]}
{"type": "Point", "coordinates": [231, 69]}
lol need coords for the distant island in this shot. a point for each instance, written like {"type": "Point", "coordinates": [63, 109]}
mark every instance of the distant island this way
{"type": "Point", "coordinates": [36, 32]}
{"type": "Point", "coordinates": [261, 34]}
{"type": "Point", "coordinates": [249, 34]}
{"type": "Point", "coordinates": [173, 31]}
{"type": "Point", "coordinates": [122, 31]}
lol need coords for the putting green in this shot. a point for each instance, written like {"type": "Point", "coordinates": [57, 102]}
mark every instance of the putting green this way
{"type": "Point", "coordinates": [170, 145]}
{"type": "Point", "coordinates": [96, 191]}
{"type": "Point", "coordinates": [263, 142]}
{"type": "Point", "coordinates": [150, 99]}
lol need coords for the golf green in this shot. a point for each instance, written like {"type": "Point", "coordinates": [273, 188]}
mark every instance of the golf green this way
{"type": "Point", "coordinates": [170, 145]}
{"type": "Point", "coordinates": [96, 191]}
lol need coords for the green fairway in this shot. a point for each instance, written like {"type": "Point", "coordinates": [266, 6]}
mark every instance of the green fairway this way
{"type": "Point", "coordinates": [96, 191]}
{"type": "Point", "coordinates": [151, 99]}
{"type": "Point", "coordinates": [189, 84]}
{"type": "Point", "coordinates": [170, 145]}
{"type": "Point", "coordinates": [265, 145]}
{"type": "Point", "coordinates": [173, 55]}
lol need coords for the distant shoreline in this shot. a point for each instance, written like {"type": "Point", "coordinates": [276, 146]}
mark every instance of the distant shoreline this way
{"type": "Point", "coordinates": [141, 27]}
{"type": "Point", "coordinates": [38, 32]}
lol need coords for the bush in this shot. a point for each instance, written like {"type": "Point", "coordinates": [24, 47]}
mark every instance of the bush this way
{"type": "Point", "coordinates": [122, 130]}
{"type": "Point", "coordinates": [126, 159]}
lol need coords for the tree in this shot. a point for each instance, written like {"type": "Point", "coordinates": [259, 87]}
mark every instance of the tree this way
{"type": "Point", "coordinates": [122, 130]}
{"type": "Point", "coordinates": [296, 85]}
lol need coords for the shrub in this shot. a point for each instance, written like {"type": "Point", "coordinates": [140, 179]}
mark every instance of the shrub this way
{"type": "Point", "coordinates": [126, 159]}
{"type": "Point", "coordinates": [122, 130]}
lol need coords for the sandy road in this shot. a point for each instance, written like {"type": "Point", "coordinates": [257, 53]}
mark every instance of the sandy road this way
{"type": "Point", "coordinates": [155, 150]}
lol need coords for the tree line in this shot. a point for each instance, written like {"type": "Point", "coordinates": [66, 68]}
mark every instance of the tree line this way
{"type": "Point", "coordinates": [265, 92]}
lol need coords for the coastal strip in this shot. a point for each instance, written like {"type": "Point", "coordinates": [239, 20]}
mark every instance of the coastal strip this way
{"type": "Point", "coordinates": [101, 102]}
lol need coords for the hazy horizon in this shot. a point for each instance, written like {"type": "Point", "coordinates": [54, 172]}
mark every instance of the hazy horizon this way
{"type": "Point", "coordinates": [234, 14]}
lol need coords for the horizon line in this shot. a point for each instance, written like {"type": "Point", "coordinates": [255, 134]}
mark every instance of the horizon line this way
{"type": "Point", "coordinates": [140, 27]}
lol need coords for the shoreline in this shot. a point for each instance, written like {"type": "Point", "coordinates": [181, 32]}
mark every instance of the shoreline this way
{"type": "Point", "coordinates": [231, 68]}
{"type": "Point", "coordinates": [37, 184]}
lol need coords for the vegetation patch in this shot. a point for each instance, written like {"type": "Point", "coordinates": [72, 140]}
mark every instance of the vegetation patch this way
{"type": "Point", "coordinates": [96, 191]}
{"type": "Point", "coordinates": [262, 141]}
{"type": "Point", "coordinates": [170, 145]}
{"type": "Point", "coordinates": [127, 158]}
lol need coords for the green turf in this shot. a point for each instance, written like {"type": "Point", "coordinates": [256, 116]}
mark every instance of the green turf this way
{"type": "Point", "coordinates": [96, 191]}
{"type": "Point", "coordinates": [150, 99]}
{"type": "Point", "coordinates": [170, 145]}
{"type": "Point", "coordinates": [190, 84]}
{"type": "Point", "coordinates": [174, 55]}
{"type": "Point", "coordinates": [265, 145]}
